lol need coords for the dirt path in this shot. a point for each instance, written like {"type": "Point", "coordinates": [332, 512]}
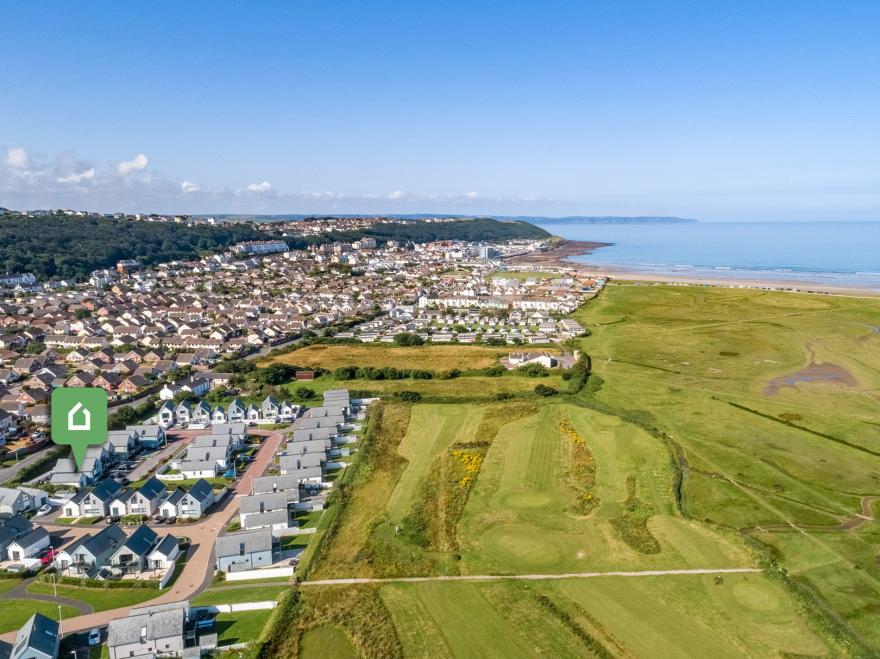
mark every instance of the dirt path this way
{"type": "Point", "coordinates": [533, 577]}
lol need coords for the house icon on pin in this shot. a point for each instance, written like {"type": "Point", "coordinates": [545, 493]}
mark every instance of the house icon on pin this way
{"type": "Point", "coordinates": [71, 418]}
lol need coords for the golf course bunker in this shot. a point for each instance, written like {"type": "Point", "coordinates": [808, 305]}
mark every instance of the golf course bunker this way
{"type": "Point", "coordinates": [822, 373]}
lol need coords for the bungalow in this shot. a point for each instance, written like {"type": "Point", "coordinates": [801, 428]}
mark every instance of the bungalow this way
{"type": "Point", "coordinates": [243, 551]}
{"type": "Point", "coordinates": [37, 639]}
{"type": "Point", "coordinates": [295, 461]}
{"type": "Point", "coordinates": [195, 386]}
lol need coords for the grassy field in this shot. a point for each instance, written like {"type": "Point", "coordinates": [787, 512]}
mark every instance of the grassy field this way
{"type": "Point", "coordinates": [429, 357]}
{"type": "Point", "coordinates": [615, 616]}
{"type": "Point", "coordinates": [17, 611]}
{"type": "Point", "coordinates": [232, 595]}
{"type": "Point", "coordinates": [326, 641]}
{"type": "Point", "coordinates": [721, 428]}
{"type": "Point", "coordinates": [705, 367]}
{"type": "Point", "coordinates": [100, 599]}
{"type": "Point", "coordinates": [240, 627]}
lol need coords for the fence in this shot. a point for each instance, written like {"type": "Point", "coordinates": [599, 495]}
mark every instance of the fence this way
{"type": "Point", "coordinates": [268, 573]}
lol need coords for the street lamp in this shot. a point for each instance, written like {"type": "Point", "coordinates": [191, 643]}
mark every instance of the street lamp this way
{"type": "Point", "coordinates": [60, 628]}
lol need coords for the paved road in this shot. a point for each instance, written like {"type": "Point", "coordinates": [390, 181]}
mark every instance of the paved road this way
{"type": "Point", "coordinates": [531, 577]}
{"type": "Point", "coordinates": [10, 472]}
{"type": "Point", "coordinates": [199, 570]}
{"type": "Point", "coordinates": [181, 439]}
{"type": "Point", "coordinates": [20, 592]}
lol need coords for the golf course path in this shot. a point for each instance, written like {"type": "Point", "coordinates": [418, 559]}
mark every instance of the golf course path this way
{"type": "Point", "coordinates": [531, 577]}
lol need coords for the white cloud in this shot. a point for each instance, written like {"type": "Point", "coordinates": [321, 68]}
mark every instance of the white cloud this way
{"type": "Point", "coordinates": [137, 163]}
{"type": "Point", "coordinates": [86, 175]}
{"type": "Point", "coordinates": [397, 194]}
{"type": "Point", "coordinates": [69, 169]}
{"type": "Point", "coordinates": [189, 187]}
{"type": "Point", "coordinates": [472, 195]}
{"type": "Point", "coordinates": [17, 158]}
{"type": "Point", "coordinates": [259, 188]}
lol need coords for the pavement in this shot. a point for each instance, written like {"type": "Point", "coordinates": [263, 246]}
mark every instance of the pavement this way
{"type": "Point", "coordinates": [199, 570]}
{"type": "Point", "coordinates": [8, 473]}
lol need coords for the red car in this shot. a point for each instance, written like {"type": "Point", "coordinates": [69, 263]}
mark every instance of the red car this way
{"type": "Point", "coordinates": [47, 556]}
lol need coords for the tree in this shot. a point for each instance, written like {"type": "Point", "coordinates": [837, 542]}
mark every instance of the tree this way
{"type": "Point", "coordinates": [304, 393]}
{"type": "Point", "coordinates": [275, 374]}
{"type": "Point", "coordinates": [409, 396]}
{"type": "Point", "coordinates": [408, 339]}
{"type": "Point", "coordinates": [35, 348]}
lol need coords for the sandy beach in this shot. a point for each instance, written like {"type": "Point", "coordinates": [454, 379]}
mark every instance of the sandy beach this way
{"type": "Point", "coordinates": [560, 256]}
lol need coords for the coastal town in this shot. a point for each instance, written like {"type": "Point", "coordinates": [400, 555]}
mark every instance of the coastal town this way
{"type": "Point", "coordinates": [211, 473]}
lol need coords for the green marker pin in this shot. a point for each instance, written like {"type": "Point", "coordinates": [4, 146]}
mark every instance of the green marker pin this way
{"type": "Point", "coordinates": [79, 419]}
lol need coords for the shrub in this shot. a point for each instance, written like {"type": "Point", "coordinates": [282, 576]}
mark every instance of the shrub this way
{"type": "Point", "coordinates": [409, 396]}
{"type": "Point", "coordinates": [544, 390]}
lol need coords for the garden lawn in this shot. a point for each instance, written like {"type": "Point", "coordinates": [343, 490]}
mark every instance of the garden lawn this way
{"type": "Point", "coordinates": [17, 611]}
{"type": "Point", "coordinates": [100, 599]}
{"type": "Point", "coordinates": [232, 595]}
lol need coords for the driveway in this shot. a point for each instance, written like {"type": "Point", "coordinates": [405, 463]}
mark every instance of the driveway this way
{"type": "Point", "coordinates": [199, 571]}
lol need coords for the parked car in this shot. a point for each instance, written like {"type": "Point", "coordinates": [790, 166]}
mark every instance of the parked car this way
{"type": "Point", "coordinates": [46, 556]}
{"type": "Point", "coordinates": [204, 620]}
{"type": "Point", "coordinates": [94, 637]}
{"type": "Point", "coordinates": [45, 509]}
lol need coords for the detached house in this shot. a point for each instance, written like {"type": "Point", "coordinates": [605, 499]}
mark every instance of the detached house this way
{"type": "Point", "coordinates": [263, 510]}
{"type": "Point", "coordinates": [131, 556]}
{"type": "Point", "coordinates": [146, 500]}
{"type": "Point", "coordinates": [196, 501]}
{"type": "Point", "coordinates": [89, 556]}
{"type": "Point", "coordinates": [243, 551]}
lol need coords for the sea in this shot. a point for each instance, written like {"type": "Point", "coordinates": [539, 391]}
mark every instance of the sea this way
{"type": "Point", "coordinates": [845, 254]}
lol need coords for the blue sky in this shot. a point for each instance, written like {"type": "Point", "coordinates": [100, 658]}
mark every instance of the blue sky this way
{"type": "Point", "coordinates": [718, 110]}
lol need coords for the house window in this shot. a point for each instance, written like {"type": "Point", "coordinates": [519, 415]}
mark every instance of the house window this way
{"type": "Point", "coordinates": [241, 549]}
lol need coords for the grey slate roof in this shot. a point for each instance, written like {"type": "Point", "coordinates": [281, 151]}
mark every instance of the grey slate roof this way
{"type": "Point", "coordinates": [270, 518]}
{"type": "Point", "coordinates": [39, 633]}
{"type": "Point", "coordinates": [270, 501]}
{"type": "Point", "coordinates": [159, 624]}
{"type": "Point", "coordinates": [254, 541]}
